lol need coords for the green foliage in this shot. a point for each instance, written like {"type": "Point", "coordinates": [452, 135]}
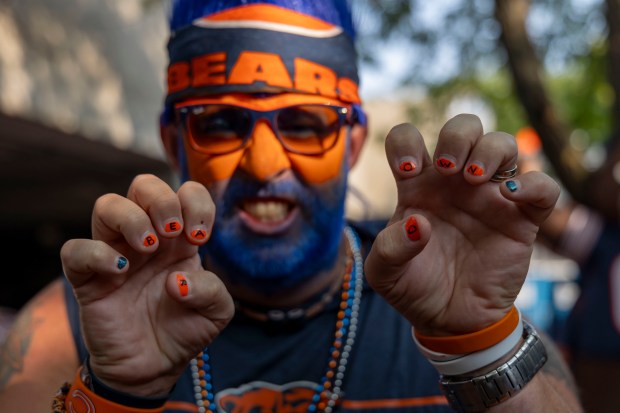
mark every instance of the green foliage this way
{"type": "Point", "coordinates": [566, 33]}
{"type": "Point", "coordinates": [582, 95]}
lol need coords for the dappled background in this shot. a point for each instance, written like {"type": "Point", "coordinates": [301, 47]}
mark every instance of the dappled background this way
{"type": "Point", "coordinates": [82, 81]}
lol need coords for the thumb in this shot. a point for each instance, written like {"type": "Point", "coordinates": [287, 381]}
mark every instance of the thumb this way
{"type": "Point", "coordinates": [203, 292]}
{"type": "Point", "coordinates": [393, 250]}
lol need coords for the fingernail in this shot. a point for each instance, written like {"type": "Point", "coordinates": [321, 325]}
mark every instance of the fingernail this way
{"type": "Point", "coordinates": [407, 164]}
{"type": "Point", "coordinates": [475, 168]}
{"type": "Point", "coordinates": [199, 233]}
{"type": "Point", "coordinates": [149, 240]}
{"type": "Point", "coordinates": [511, 185]}
{"type": "Point", "coordinates": [182, 284]}
{"type": "Point", "coordinates": [413, 233]}
{"type": "Point", "coordinates": [121, 262]}
{"type": "Point", "coordinates": [173, 225]}
{"type": "Point", "coordinates": [446, 161]}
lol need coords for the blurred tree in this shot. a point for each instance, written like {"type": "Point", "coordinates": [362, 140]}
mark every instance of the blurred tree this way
{"type": "Point", "coordinates": [561, 58]}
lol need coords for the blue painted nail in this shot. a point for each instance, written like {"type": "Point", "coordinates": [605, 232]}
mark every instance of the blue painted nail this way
{"type": "Point", "coordinates": [512, 186]}
{"type": "Point", "coordinates": [121, 262]}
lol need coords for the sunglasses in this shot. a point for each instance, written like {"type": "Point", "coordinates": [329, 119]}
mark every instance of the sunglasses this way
{"type": "Point", "coordinates": [307, 129]}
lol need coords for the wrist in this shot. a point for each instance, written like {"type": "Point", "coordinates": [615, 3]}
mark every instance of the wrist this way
{"type": "Point", "coordinates": [158, 387]}
{"type": "Point", "coordinates": [124, 396]}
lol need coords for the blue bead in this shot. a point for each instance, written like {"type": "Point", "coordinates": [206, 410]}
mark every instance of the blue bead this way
{"type": "Point", "coordinates": [209, 386]}
{"type": "Point", "coordinates": [312, 408]}
{"type": "Point", "coordinates": [316, 398]}
{"type": "Point", "coordinates": [210, 396]}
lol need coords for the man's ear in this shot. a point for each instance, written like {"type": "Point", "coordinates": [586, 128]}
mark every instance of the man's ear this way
{"type": "Point", "coordinates": [357, 138]}
{"type": "Point", "coordinates": [169, 136]}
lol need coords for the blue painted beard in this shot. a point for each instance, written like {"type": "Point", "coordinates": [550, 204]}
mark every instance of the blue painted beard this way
{"type": "Point", "coordinates": [271, 264]}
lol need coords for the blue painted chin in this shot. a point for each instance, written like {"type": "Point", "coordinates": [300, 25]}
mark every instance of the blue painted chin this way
{"type": "Point", "coordinates": [271, 264]}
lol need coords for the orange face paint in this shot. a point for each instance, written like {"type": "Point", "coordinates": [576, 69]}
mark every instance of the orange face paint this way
{"type": "Point", "coordinates": [265, 156]}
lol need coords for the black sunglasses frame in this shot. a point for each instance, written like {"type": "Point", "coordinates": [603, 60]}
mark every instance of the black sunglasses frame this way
{"type": "Point", "coordinates": [184, 112]}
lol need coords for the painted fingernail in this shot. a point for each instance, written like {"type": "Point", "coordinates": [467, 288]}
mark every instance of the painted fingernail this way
{"type": "Point", "coordinates": [121, 262]}
{"type": "Point", "coordinates": [511, 185]}
{"type": "Point", "coordinates": [182, 284]}
{"type": "Point", "coordinates": [199, 234]}
{"type": "Point", "coordinates": [475, 168]}
{"type": "Point", "coordinates": [174, 225]}
{"type": "Point", "coordinates": [446, 161]}
{"type": "Point", "coordinates": [149, 239]}
{"type": "Point", "coordinates": [407, 164]}
{"type": "Point", "coordinates": [413, 232]}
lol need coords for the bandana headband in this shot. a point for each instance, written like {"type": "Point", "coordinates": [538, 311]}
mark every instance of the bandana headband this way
{"type": "Point", "coordinates": [261, 48]}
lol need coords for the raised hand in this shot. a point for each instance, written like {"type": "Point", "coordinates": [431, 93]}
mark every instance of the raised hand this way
{"type": "Point", "coordinates": [143, 319]}
{"type": "Point", "coordinates": [457, 249]}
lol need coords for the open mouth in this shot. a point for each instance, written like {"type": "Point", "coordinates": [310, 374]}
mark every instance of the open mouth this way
{"type": "Point", "coordinates": [267, 216]}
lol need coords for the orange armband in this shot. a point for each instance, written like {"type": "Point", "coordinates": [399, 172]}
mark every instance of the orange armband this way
{"type": "Point", "coordinates": [471, 342]}
{"type": "Point", "coordinates": [81, 399]}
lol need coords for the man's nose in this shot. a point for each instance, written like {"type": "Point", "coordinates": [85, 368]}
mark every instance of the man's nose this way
{"type": "Point", "coordinates": [264, 158]}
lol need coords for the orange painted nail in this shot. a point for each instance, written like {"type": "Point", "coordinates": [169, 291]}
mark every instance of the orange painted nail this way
{"type": "Point", "coordinates": [475, 169]}
{"type": "Point", "coordinates": [182, 284]}
{"type": "Point", "coordinates": [407, 166]}
{"type": "Point", "coordinates": [446, 162]}
{"type": "Point", "coordinates": [173, 226]}
{"type": "Point", "coordinates": [199, 234]}
{"type": "Point", "coordinates": [150, 240]}
{"type": "Point", "coordinates": [413, 232]}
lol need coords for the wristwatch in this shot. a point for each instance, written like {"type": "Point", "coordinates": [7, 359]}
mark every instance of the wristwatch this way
{"type": "Point", "coordinates": [473, 394]}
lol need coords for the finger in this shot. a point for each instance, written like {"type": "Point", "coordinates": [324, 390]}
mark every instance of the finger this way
{"type": "Point", "coordinates": [202, 291]}
{"type": "Point", "coordinates": [406, 151]}
{"type": "Point", "coordinates": [84, 258]}
{"type": "Point", "coordinates": [160, 202]}
{"type": "Point", "coordinates": [393, 248]}
{"type": "Point", "coordinates": [491, 152]}
{"type": "Point", "coordinates": [198, 212]}
{"type": "Point", "coordinates": [115, 217]}
{"type": "Point", "coordinates": [534, 192]}
{"type": "Point", "coordinates": [455, 142]}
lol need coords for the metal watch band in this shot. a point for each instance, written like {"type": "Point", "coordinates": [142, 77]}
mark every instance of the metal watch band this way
{"type": "Point", "coordinates": [474, 394]}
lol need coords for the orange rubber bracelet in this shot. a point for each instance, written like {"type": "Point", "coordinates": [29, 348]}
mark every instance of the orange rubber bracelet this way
{"type": "Point", "coordinates": [82, 400]}
{"type": "Point", "coordinates": [471, 342]}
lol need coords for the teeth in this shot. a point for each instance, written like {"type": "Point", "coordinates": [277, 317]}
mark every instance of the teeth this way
{"type": "Point", "coordinates": [267, 211]}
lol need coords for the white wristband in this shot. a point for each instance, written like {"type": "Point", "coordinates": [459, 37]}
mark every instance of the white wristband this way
{"type": "Point", "coordinates": [455, 365]}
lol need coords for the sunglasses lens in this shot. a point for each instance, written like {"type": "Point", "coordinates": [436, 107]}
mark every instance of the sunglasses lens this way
{"type": "Point", "coordinates": [309, 129]}
{"type": "Point", "coordinates": [219, 128]}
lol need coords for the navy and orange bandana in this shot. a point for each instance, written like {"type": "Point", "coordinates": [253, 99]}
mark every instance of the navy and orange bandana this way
{"type": "Point", "coordinates": [246, 46]}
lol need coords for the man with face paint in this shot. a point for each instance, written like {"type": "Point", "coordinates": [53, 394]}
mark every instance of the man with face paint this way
{"type": "Point", "coordinates": [244, 290]}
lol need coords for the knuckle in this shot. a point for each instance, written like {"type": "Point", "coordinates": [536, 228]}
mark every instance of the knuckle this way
{"type": "Point", "coordinates": [142, 179]}
{"type": "Point", "coordinates": [403, 130]}
{"type": "Point", "coordinates": [383, 247]}
{"type": "Point", "coordinates": [104, 202]}
{"type": "Point", "coordinates": [462, 126]}
{"type": "Point", "coordinates": [66, 250]}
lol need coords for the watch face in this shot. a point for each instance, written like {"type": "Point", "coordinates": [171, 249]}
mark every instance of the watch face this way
{"type": "Point", "coordinates": [473, 394]}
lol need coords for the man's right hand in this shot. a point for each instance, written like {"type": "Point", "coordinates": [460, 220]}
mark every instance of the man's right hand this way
{"type": "Point", "coordinates": [143, 323]}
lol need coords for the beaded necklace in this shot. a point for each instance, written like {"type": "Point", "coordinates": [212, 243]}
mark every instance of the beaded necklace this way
{"type": "Point", "coordinates": [328, 391]}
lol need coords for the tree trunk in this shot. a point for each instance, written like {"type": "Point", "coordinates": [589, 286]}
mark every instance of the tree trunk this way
{"type": "Point", "coordinates": [526, 72]}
